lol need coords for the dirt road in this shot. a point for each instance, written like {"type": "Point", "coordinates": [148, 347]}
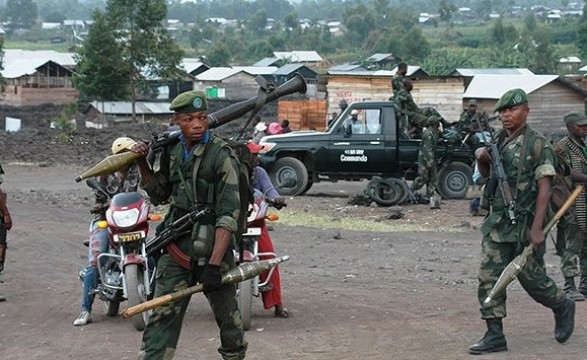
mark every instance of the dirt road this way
{"type": "Point", "coordinates": [354, 294]}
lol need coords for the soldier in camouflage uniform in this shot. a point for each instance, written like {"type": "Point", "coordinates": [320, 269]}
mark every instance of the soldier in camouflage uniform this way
{"type": "Point", "coordinates": [199, 169]}
{"type": "Point", "coordinates": [427, 170]}
{"type": "Point", "coordinates": [472, 121]}
{"type": "Point", "coordinates": [412, 119]}
{"type": "Point", "coordinates": [5, 225]}
{"type": "Point", "coordinates": [571, 229]}
{"type": "Point", "coordinates": [528, 161]}
{"type": "Point", "coordinates": [397, 82]}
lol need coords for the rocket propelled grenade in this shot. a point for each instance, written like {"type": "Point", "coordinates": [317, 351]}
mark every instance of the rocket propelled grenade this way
{"type": "Point", "coordinates": [513, 269]}
{"type": "Point", "coordinates": [109, 165]}
{"type": "Point", "coordinates": [240, 273]}
{"type": "Point", "coordinates": [115, 162]}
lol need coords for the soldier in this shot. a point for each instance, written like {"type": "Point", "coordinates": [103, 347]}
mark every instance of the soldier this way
{"type": "Point", "coordinates": [470, 122]}
{"type": "Point", "coordinates": [5, 225]}
{"type": "Point", "coordinates": [412, 118]}
{"type": "Point", "coordinates": [427, 170]}
{"type": "Point", "coordinates": [199, 169]}
{"type": "Point", "coordinates": [397, 82]}
{"type": "Point", "coordinates": [528, 161]}
{"type": "Point", "coordinates": [571, 229]}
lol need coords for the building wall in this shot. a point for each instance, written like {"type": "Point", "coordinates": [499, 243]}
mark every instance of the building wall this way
{"type": "Point", "coordinates": [14, 95]}
{"type": "Point", "coordinates": [356, 88]}
{"type": "Point", "coordinates": [445, 94]}
{"type": "Point", "coordinates": [442, 93]}
{"type": "Point", "coordinates": [549, 104]}
{"type": "Point", "coordinates": [238, 87]}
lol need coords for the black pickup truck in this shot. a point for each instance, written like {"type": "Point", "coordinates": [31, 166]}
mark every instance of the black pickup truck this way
{"type": "Point", "coordinates": [373, 147]}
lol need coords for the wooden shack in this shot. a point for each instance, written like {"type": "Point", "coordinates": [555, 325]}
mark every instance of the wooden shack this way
{"type": "Point", "coordinates": [303, 114]}
{"type": "Point", "coordinates": [443, 93]}
{"type": "Point", "coordinates": [28, 85]}
{"type": "Point", "coordinates": [227, 83]}
{"type": "Point", "coordinates": [550, 97]}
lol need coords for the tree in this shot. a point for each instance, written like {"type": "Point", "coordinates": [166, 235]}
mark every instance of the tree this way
{"type": "Point", "coordinates": [99, 74]}
{"type": "Point", "coordinates": [582, 32]}
{"type": "Point", "coordinates": [219, 55]}
{"type": "Point", "coordinates": [148, 50]}
{"type": "Point", "coordinates": [55, 16]}
{"type": "Point", "coordinates": [446, 10]}
{"type": "Point", "coordinates": [22, 12]}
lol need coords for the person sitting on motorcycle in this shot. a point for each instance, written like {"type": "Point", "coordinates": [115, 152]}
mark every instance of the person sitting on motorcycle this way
{"type": "Point", "coordinates": [124, 180]}
{"type": "Point", "coordinates": [272, 293]}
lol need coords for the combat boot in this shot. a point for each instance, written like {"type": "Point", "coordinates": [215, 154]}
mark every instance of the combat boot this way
{"type": "Point", "coordinates": [493, 341]}
{"type": "Point", "coordinates": [564, 319]}
{"type": "Point", "coordinates": [571, 291]}
{"type": "Point", "coordinates": [583, 285]}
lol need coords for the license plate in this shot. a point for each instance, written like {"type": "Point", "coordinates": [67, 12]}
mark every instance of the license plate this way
{"type": "Point", "coordinates": [253, 232]}
{"type": "Point", "coordinates": [128, 237]}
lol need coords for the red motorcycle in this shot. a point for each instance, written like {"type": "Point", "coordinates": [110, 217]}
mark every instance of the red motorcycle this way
{"type": "Point", "coordinates": [124, 270]}
{"type": "Point", "coordinates": [250, 252]}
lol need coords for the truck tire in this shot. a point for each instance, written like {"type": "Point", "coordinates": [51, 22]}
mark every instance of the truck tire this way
{"type": "Point", "coordinates": [290, 176]}
{"type": "Point", "coordinates": [454, 180]}
{"type": "Point", "coordinates": [387, 192]}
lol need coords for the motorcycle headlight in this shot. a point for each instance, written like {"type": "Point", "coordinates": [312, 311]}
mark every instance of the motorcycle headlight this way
{"type": "Point", "coordinates": [125, 218]}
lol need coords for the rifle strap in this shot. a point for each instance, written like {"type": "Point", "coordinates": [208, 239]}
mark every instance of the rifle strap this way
{"type": "Point", "coordinates": [524, 132]}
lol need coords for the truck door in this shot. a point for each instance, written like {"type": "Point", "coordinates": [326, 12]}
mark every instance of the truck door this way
{"type": "Point", "coordinates": [357, 144]}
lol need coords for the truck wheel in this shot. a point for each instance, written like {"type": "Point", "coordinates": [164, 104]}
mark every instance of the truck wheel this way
{"type": "Point", "coordinates": [308, 187]}
{"type": "Point", "coordinates": [290, 176]}
{"type": "Point", "coordinates": [454, 180]}
{"type": "Point", "coordinates": [387, 192]}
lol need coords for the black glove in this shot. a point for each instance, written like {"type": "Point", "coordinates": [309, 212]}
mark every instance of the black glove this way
{"type": "Point", "coordinates": [211, 279]}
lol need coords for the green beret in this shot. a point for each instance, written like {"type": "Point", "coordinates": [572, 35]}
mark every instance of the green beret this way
{"type": "Point", "coordinates": [189, 102]}
{"type": "Point", "coordinates": [575, 117]}
{"type": "Point", "coordinates": [510, 99]}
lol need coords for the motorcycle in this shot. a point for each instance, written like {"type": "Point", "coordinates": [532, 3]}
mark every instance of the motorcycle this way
{"type": "Point", "coordinates": [249, 252]}
{"type": "Point", "coordinates": [123, 270]}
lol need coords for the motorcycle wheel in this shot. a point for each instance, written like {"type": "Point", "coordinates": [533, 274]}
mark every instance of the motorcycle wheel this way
{"type": "Point", "coordinates": [135, 285]}
{"type": "Point", "coordinates": [245, 300]}
{"type": "Point", "coordinates": [110, 307]}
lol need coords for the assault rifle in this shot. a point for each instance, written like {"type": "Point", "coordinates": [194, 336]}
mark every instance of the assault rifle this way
{"type": "Point", "coordinates": [176, 229]}
{"type": "Point", "coordinates": [498, 177]}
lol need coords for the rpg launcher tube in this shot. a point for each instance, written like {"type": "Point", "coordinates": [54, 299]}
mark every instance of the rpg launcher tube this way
{"type": "Point", "coordinates": [240, 273]}
{"type": "Point", "coordinates": [109, 165]}
{"type": "Point", "coordinates": [515, 267]}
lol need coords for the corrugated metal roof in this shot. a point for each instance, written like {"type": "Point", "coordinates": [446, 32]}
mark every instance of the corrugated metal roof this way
{"type": "Point", "coordinates": [19, 63]}
{"type": "Point", "coordinates": [266, 62]}
{"type": "Point", "coordinates": [257, 70]}
{"type": "Point", "coordinates": [288, 69]}
{"type": "Point", "coordinates": [411, 70]}
{"type": "Point", "coordinates": [346, 68]}
{"type": "Point", "coordinates": [378, 73]}
{"type": "Point", "coordinates": [191, 64]}
{"type": "Point", "coordinates": [217, 74]}
{"type": "Point", "coordinates": [379, 57]}
{"type": "Point", "coordinates": [298, 56]}
{"type": "Point", "coordinates": [495, 71]}
{"type": "Point", "coordinates": [494, 86]}
{"type": "Point", "coordinates": [125, 107]}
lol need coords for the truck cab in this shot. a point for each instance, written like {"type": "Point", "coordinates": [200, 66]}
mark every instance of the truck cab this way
{"type": "Point", "coordinates": [364, 141]}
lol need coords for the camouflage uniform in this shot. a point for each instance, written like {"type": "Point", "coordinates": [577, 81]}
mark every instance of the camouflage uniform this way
{"type": "Point", "coordinates": [397, 83]}
{"type": "Point", "coordinates": [479, 119]}
{"type": "Point", "coordinates": [571, 229]}
{"type": "Point", "coordinates": [502, 241]}
{"type": "Point", "coordinates": [427, 170]}
{"type": "Point", "coordinates": [217, 187]}
{"type": "Point", "coordinates": [410, 115]}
